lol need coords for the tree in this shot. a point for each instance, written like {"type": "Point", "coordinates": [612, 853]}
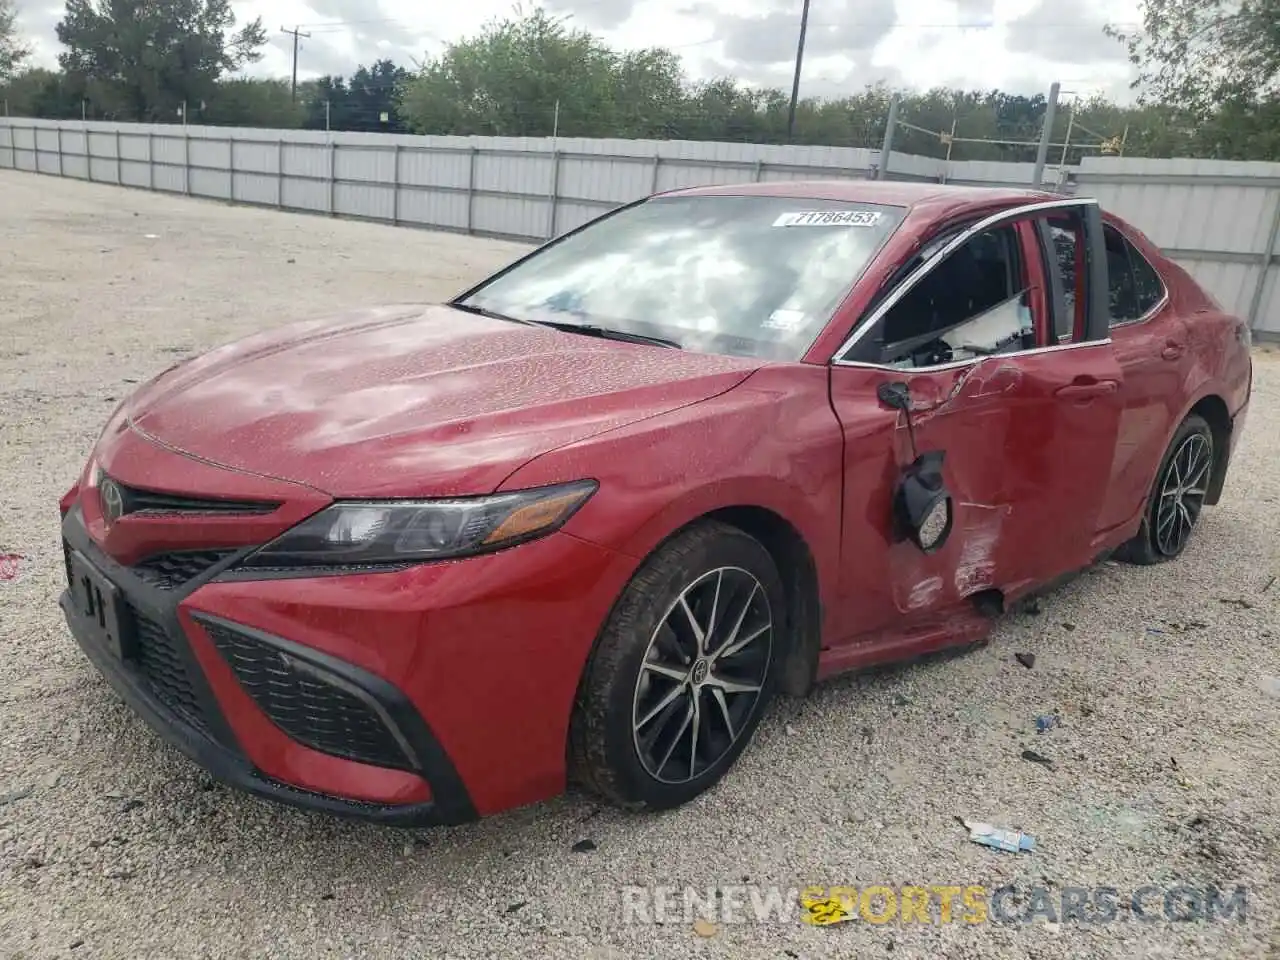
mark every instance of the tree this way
{"type": "Point", "coordinates": [508, 80]}
{"type": "Point", "coordinates": [12, 51]}
{"type": "Point", "coordinates": [144, 59]}
{"type": "Point", "coordinates": [1200, 54]}
{"type": "Point", "coordinates": [253, 103]}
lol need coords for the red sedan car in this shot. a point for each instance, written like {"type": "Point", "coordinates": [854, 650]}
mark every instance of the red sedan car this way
{"type": "Point", "coordinates": [425, 563]}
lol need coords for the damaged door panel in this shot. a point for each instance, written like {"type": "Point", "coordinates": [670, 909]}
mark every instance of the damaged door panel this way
{"type": "Point", "coordinates": [1026, 427]}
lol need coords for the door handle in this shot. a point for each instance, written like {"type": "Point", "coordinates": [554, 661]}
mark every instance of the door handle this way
{"type": "Point", "coordinates": [1173, 349]}
{"type": "Point", "coordinates": [1086, 391]}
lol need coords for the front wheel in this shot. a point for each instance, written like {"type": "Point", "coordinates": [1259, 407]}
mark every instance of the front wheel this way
{"type": "Point", "coordinates": [1177, 497]}
{"type": "Point", "coordinates": [683, 670]}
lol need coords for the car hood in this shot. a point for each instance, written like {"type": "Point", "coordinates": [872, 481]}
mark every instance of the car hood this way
{"type": "Point", "coordinates": [413, 400]}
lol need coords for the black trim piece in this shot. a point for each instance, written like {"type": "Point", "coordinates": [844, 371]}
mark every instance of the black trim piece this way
{"type": "Point", "coordinates": [1057, 293]}
{"type": "Point", "coordinates": [160, 606]}
{"type": "Point", "coordinates": [446, 786]}
{"type": "Point", "coordinates": [156, 504]}
{"type": "Point", "coordinates": [312, 705]}
{"type": "Point", "coordinates": [1097, 322]}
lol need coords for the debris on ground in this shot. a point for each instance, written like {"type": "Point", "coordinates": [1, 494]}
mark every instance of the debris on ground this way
{"type": "Point", "coordinates": [1236, 602]}
{"type": "Point", "coordinates": [1047, 721]}
{"type": "Point", "coordinates": [705, 928]}
{"type": "Point", "coordinates": [1032, 608]}
{"type": "Point", "coordinates": [1270, 584]}
{"type": "Point", "coordinates": [1068, 627]}
{"type": "Point", "coordinates": [11, 565]}
{"type": "Point", "coordinates": [130, 805]}
{"type": "Point", "coordinates": [1036, 758]}
{"type": "Point", "coordinates": [584, 846]}
{"type": "Point", "coordinates": [900, 701]}
{"type": "Point", "coordinates": [1028, 660]}
{"type": "Point", "coordinates": [998, 838]}
{"type": "Point", "coordinates": [515, 907]}
{"type": "Point", "coordinates": [1270, 686]}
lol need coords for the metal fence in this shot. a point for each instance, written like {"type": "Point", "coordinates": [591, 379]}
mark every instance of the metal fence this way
{"type": "Point", "coordinates": [1220, 220]}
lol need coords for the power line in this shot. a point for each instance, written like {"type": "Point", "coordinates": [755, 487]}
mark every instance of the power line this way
{"type": "Point", "coordinates": [296, 32]}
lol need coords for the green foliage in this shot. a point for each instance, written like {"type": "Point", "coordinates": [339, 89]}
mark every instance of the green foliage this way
{"type": "Point", "coordinates": [252, 103]}
{"type": "Point", "coordinates": [1199, 55]}
{"type": "Point", "coordinates": [143, 59]}
{"type": "Point", "coordinates": [12, 50]}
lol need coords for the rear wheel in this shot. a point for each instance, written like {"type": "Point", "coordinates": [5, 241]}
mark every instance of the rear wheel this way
{"type": "Point", "coordinates": [683, 671]}
{"type": "Point", "coordinates": [1177, 497]}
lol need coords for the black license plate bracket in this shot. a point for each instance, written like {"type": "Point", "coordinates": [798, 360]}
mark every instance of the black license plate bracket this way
{"type": "Point", "coordinates": [101, 606]}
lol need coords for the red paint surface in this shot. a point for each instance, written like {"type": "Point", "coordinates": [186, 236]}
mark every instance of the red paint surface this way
{"type": "Point", "coordinates": [426, 401]}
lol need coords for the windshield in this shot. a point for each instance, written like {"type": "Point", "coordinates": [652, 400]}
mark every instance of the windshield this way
{"type": "Point", "coordinates": [750, 276]}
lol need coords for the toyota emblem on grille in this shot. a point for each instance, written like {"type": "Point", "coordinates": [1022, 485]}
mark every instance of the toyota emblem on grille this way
{"type": "Point", "coordinates": [112, 500]}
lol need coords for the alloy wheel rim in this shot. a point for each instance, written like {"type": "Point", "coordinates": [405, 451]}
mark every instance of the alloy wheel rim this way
{"type": "Point", "coordinates": [702, 675]}
{"type": "Point", "coordinates": [1186, 482]}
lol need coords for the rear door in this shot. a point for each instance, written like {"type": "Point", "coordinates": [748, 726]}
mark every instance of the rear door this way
{"type": "Point", "coordinates": [1028, 425]}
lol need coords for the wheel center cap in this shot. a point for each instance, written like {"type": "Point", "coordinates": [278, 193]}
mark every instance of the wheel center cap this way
{"type": "Point", "coordinates": [699, 673]}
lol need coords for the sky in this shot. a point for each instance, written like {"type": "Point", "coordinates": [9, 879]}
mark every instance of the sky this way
{"type": "Point", "coordinates": [1021, 46]}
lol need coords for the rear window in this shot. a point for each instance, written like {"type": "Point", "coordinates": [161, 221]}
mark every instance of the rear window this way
{"type": "Point", "coordinates": [747, 276]}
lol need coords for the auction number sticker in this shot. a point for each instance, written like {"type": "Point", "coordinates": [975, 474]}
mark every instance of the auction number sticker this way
{"type": "Point", "coordinates": [829, 218]}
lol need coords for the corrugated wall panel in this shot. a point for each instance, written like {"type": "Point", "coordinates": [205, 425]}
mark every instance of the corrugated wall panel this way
{"type": "Point", "coordinates": [428, 207]}
{"type": "Point", "coordinates": [254, 157]}
{"type": "Point", "coordinates": [255, 188]}
{"type": "Point", "coordinates": [306, 195]}
{"type": "Point", "coordinates": [1268, 320]}
{"type": "Point", "coordinates": [366, 165]}
{"type": "Point", "coordinates": [104, 170]}
{"type": "Point", "coordinates": [210, 183]}
{"type": "Point", "coordinates": [133, 174]}
{"type": "Point", "coordinates": [1231, 284]}
{"type": "Point", "coordinates": [169, 179]}
{"type": "Point", "coordinates": [364, 200]}
{"type": "Point", "coordinates": [213, 154]}
{"type": "Point", "coordinates": [134, 147]}
{"type": "Point", "coordinates": [427, 168]}
{"type": "Point", "coordinates": [170, 149]}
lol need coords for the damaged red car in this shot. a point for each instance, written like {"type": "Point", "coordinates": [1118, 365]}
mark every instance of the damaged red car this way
{"type": "Point", "coordinates": [424, 563]}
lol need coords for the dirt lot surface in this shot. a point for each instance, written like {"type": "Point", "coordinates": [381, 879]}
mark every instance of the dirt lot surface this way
{"type": "Point", "coordinates": [1166, 769]}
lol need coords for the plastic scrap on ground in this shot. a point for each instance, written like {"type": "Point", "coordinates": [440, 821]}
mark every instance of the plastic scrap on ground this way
{"type": "Point", "coordinates": [998, 838]}
{"type": "Point", "coordinates": [11, 565]}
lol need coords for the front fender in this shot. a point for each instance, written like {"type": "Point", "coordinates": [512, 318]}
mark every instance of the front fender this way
{"type": "Point", "coordinates": [771, 443]}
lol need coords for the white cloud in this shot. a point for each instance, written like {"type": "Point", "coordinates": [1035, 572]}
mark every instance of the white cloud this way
{"type": "Point", "coordinates": [1018, 45]}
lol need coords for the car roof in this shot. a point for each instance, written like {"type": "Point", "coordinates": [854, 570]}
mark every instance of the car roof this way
{"type": "Point", "coordinates": [932, 199]}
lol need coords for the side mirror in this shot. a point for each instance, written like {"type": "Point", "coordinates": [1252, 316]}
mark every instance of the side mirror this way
{"type": "Point", "coordinates": [895, 396]}
{"type": "Point", "coordinates": [922, 504]}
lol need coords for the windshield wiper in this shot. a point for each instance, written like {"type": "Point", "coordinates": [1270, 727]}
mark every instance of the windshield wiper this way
{"type": "Point", "coordinates": [607, 333]}
{"type": "Point", "coordinates": [491, 314]}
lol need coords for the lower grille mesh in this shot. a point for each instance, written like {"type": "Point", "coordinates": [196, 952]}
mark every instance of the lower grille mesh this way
{"type": "Point", "coordinates": [316, 713]}
{"type": "Point", "coordinates": [160, 664]}
{"type": "Point", "coordinates": [169, 571]}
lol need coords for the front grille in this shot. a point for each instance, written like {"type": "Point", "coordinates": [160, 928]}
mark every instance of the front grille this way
{"type": "Point", "coordinates": [156, 504]}
{"type": "Point", "coordinates": [169, 571]}
{"type": "Point", "coordinates": [159, 661]}
{"type": "Point", "coordinates": [310, 709]}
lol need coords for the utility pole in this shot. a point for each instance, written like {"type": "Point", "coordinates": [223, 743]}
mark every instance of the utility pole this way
{"type": "Point", "coordinates": [795, 84]}
{"type": "Point", "coordinates": [295, 33]}
{"type": "Point", "coordinates": [1042, 153]}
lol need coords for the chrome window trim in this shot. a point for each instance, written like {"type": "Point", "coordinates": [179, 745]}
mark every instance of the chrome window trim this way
{"type": "Point", "coordinates": [957, 364]}
{"type": "Point", "coordinates": [929, 265]}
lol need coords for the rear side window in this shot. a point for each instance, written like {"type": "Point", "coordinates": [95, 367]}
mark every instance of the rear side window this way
{"type": "Point", "coordinates": [1135, 289]}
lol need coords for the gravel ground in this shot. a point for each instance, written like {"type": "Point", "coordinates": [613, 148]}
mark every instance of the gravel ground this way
{"type": "Point", "coordinates": [112, 845]}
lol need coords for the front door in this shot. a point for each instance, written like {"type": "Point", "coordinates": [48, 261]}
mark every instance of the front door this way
{"type": "Point", "coordinates": [1028, 426]}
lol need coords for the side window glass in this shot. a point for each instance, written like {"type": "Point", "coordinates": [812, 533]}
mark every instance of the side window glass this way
{"type": "Point", "coordinates": [1066, 257]}
{"type": "Point", "coordinates": [971, 304]}
{"type": "Point", "coordinates": [1147, 286]}
{"type": "Point", "coordinates": [1133, 287]}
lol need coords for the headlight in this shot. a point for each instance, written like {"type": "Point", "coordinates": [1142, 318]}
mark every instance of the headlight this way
{"type": "Point", "coordinates": [392, 532]}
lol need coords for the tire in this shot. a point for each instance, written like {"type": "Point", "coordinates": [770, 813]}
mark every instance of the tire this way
{"type": "Point", "coordinates": [1164, 534]}
{"type": "Point", "coordinates": [644, 686]}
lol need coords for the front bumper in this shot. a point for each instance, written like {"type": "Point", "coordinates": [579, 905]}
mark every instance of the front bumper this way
{"type": "Point", "coordinates": [466, 671]}
{"type": "Point", "coordinates": [165, 684]}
